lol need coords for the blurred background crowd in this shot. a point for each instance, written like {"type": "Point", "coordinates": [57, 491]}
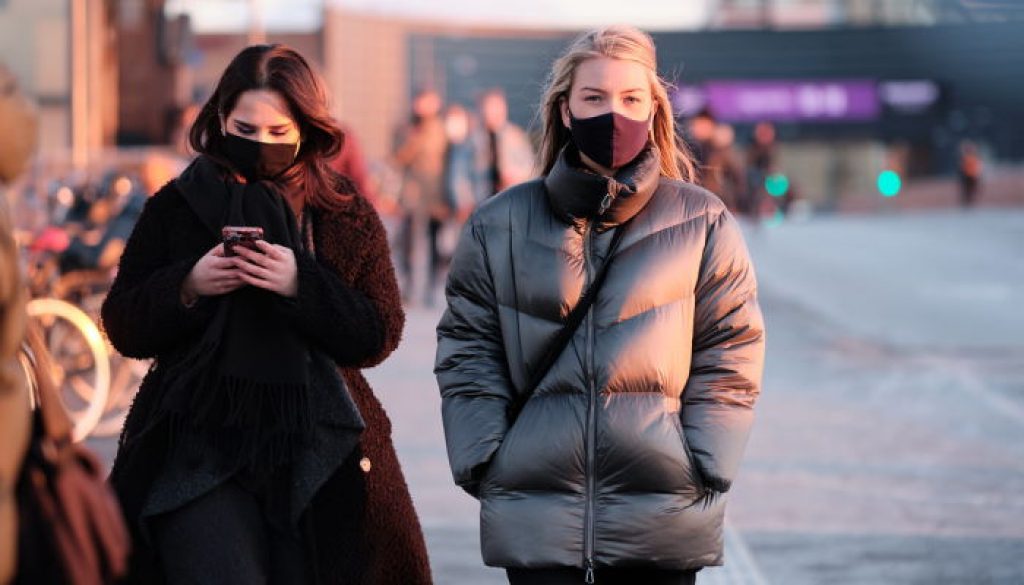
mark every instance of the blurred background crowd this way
{"type": "Point", "coordinates": [789, 106]}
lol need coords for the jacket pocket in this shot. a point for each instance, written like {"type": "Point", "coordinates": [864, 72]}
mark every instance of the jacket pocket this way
{"type": "Point", "coordinates": [542, 451]}
{"type": "Point", "coordinates": [693, 470]}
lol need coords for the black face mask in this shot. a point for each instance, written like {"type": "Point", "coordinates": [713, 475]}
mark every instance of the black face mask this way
{"type": "Point", "coordinates": [611, 140]}
{"type": "Point", "coordinates": [259, 160]}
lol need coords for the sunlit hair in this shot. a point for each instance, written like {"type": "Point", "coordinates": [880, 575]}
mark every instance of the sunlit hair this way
{"type": "Point", "coordinates": [616, 42]}
{"type": "Point", "coordinates": [12, 299]}
{"type": "Point", "coordinates": [280, 69]}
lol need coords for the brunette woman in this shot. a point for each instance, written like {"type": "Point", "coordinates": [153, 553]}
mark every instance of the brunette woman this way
{"type": "Point", "coordinates": [255, 451]}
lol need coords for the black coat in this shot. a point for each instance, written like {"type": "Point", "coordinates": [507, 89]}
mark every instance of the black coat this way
{"type": "Point", "coordinates": [348, 307]}
{"type": "Point", "coordinates": [622, 452]}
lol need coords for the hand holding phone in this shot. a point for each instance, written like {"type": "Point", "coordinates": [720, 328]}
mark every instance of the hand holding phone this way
{"type": "Point", "coordinates": [268, 266]}
{"type": "Point", "coordinates": [235, 235]}
{"type": "Point", "coordinates": [212, 275]}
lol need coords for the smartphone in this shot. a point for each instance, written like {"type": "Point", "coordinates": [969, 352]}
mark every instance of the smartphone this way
{"type": "Point", "coordinates": [236, 235]}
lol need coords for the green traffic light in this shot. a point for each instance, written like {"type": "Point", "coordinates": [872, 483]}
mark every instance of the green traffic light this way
{"type": "Point", "coordinates": [889, 183]}
{"type": "Point", "coordinates": [776, 185]}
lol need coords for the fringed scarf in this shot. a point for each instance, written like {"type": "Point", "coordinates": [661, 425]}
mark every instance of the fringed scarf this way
{"type": "Point", "coordinates": [244, 388]}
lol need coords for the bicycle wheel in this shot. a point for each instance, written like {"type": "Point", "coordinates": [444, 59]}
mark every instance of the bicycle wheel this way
{"type": "Point", "coordinates": [80, 358]}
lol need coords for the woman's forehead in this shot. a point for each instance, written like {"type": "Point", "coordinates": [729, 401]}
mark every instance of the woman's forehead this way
{"type": "Point", "coordinates": [262, 107]}
{"type": "Point", "coordinates": [609, 74]}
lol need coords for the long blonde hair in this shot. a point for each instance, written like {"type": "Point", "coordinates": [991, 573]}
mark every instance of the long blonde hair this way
{"type": "Point", "coordinates": [616, 42]}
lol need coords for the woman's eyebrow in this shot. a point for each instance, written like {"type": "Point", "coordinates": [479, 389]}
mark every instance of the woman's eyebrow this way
{"type": "Point", "coordinates": [275, 128]}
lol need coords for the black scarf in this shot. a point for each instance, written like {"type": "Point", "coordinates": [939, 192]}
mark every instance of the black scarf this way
{"type": "Point", "coordinates": [244, 388]}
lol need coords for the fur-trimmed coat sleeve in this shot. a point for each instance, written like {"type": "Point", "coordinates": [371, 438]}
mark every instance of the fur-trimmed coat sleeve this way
{"type": "Point", "coordinates": [337, 317]}
{"type": "Point", "coordinates": [353, 242]}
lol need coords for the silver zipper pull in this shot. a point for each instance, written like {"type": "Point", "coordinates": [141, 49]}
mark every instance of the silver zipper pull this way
{"type": "Point", "coordinates": [609, 197]}
{"type": "Point", "coordinates": [588, 578]}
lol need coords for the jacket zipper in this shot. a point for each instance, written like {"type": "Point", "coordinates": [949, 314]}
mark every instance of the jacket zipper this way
{"type": "Point", "coordinates": [588, 537]}
{"type": "Point", "coordinates": [588, 544]}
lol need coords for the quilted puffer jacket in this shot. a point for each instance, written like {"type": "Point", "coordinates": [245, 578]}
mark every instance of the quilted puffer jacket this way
{"type": "Point", "coordinates": [622, 454]}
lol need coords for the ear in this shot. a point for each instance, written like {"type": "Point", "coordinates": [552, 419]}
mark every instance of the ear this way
{"type": "Point", "coordinates": [563, 105]}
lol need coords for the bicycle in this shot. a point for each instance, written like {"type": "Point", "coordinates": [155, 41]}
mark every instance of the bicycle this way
{"type": "Point", "coordinates": [97, 384]}
{"type": "Point", "coordinates": [81, 362]}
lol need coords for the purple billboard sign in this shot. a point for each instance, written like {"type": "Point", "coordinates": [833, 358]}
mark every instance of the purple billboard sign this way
{"type": "Point", "coordinates": [793, 101]}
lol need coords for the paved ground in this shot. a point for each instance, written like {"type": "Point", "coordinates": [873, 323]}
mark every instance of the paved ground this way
{"type": "Point", "coordinates": [890, 443]}
{"type": "Point", "coordinates": [889, 446]}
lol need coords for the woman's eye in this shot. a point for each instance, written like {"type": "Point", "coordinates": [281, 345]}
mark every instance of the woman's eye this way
{"type": "Point", "coordinates": [279, 133]}
{"type": "Point", "coordinates": [592, 98]}
{"type": "Point", "coordinates": [632, 99]}
{"type": "Point", "coordinates": [245, 131]}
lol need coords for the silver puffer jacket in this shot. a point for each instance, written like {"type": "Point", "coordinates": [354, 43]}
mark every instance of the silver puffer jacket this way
{"type": "Point", "coordinates": [622, 454]}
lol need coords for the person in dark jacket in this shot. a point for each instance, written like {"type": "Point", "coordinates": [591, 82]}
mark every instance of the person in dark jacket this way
{"type": "Point", "coordinates": [255, 451]}
{"type": "Point", "coordinates": [613, 468]}
{"type": "Point", "coordinates": [420, 154]}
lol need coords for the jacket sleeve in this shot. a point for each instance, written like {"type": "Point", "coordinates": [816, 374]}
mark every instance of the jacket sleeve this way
{"type": "Point", "coordinates": [143, 314]}
{"type": "Point", "coordinates": [356, 322]}
{"type": "Point", "coordinates": [728, 356]}
{"type": "Point", "coordinates": [471, 368]}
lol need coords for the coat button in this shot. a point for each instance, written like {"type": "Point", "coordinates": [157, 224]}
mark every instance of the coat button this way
{"type": "Point", "coordinates": [365, 464]}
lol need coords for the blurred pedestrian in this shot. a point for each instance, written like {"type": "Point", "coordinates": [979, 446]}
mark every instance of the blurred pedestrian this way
{"type": "Point", "coordinates": [420, 156]}
{"type": "Point", "coordinates": [723, 174]}
{"type": "Point", "coordinates": [506, 156]}
{"type": "Point", "coordinates": [969, 171]}
{"type": "Point", "coordinates": [602, 349]}
{"type": "Point", "coordinates": [351, 163]}
{"type": "Point", "coordinates": [19, 121]}
{"type": "Point", "coordinates": [761, 162]}
{"type": "Point", "coordinates": [255, 451]}
{"type": "Point", "coordinates": [460, 184]}
{"type": "Point", "coordinates": [700, 135]}
{"type": "Point", "coordinates": [14, 402]}
{"type": "Point", "coordinates": [59, 522]}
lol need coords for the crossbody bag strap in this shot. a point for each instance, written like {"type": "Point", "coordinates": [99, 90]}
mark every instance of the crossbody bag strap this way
{"type": "Point", "coordinates": [572, 322]}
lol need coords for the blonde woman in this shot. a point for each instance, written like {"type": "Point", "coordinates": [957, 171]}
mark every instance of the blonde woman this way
{"type": "Point", "coordinates": [601, 442]}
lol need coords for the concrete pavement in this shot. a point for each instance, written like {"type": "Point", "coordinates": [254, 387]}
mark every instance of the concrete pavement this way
{"type": "Point", "coordinates": [890, 439]}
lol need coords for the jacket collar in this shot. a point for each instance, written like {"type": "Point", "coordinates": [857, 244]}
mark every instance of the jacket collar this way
{"type": "Point", "coordinates": [576, 193]}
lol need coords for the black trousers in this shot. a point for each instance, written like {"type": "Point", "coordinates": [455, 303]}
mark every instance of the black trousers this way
{"type": "Point", "coordinates": [223, 538]}
{"type": "Point", "coordinates": [607, 576]}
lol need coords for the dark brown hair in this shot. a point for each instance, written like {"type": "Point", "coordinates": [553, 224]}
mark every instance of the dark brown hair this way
{"type": "Point", "coordinates": [283, 70]}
